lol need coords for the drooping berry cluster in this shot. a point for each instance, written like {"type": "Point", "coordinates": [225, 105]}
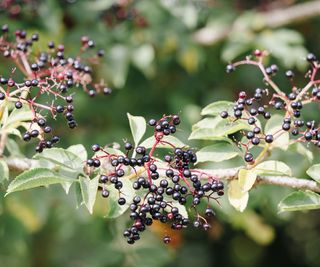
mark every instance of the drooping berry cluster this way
{"type": "Point", "coordinates": [162, 187]}
{"type": "Point", "coordinates": [49, 77]}
{"type": "Point", "coordinates": [250, 109]}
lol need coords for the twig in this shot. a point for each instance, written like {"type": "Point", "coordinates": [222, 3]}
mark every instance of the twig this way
{"type": "Point", "coordinates": [23, 164]}
{"type": "Point", "coordinates": [286, 181]}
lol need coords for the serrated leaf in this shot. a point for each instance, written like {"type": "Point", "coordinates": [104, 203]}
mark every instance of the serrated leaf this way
{"type": "Point", "coordinates": [237, 198]}
{"type": "Point", "coordinates": [79, 150]}
{"type": "Point", "coordinates": [216, 108]}
{"type": "Point", "coordinates": [246, 179]}
{"type": "Point", "coordinates": [63, 158]}
{"type": "Point", "coordinates": [35, 178]}
{"type": "Point", "coordinates": [314, 172]}
{"type": "Point", "coordinates": [274, 126]}
{"type": "Point", "coordinates": [272, 167]}
{"type": "Point", "coordinates": [138, 127]}
{"type": "Point", "coordinates": [89, 189]}
{"type": "Point", "coordinates": [217, 152]}
{"type": "Point", "coordinates": [300, 200]}
{"type": "Point", "coordinates": [149, 142]}
{"type": "Point", "coordinates": [4, 171]}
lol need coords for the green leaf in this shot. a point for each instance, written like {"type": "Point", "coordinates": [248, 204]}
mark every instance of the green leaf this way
{"type": "Point", "coordinates": [216, 108]}
{"type": "Point", "coordinates": [237, 198]}
{"type": "Point", "coordinates": [4, 171]}
{"type": "Point", "coordinates": [221, 130]}
{"type": "Point", "coordinates": [79, 150]}
{"type": "Point", "coordinates": [301, 149]}
{"type": "Point", "coordinates": [35, 178]}
{"type": "Point", "coordinates": [13, 148]}
{"type": "Point", "coordinates": [300, 200]}
{"type": "Point", "coordinates": [217, 152]}
{"type": "Point", "coordinates": [62, 158]}
{"type": "Point", "coordinates": [89, 191]}
{"type": "Point", "coordinates": [138, 127]}
{"type": "Point", "coordinates": [314, 172]}
{"type": "Point", "coordinates": [113, 208]}
{"type": "Point", "coordinates": [274, 126]}
{"type": "Point", "coordinates": [207, 123]}
{"type": "Point", "coordinates": [148, 143]}
{"type": "Point", "coordinates": [246, 179]}
{"type": "Point", "coordinates": [18, 115]}
{"type": "Point", "coordinates": [143, 57]}
{"type": "Point", "coordinates": [272, 167]}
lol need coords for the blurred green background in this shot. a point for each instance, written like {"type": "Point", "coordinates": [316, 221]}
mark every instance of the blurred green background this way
{"type": "Point", "coordinates": [162, 57]}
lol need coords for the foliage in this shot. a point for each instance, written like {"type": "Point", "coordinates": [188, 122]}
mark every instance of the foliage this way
{"type": "Point", "coordinates": [170, 71]}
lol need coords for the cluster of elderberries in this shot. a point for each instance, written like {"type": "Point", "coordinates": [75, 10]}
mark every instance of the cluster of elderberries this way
{"type": "Point", "coordinates": [124, 11]}
{"type": "Point", "coordinates": [49, 77]}
{"type": "Point", "coordinates": [161, 187]}
{"type": "Point", "coordinates": [249, 109]}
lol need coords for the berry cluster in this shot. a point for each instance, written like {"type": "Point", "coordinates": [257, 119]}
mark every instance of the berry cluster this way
{"type": "Point", "coordinates": [161, 187]}
{"type": "Point", "coordinates": [251, 109]}
{"type": "Point", "coordinates": [49, 77]}
{"type": "Point", "coordinates": [123, 11]}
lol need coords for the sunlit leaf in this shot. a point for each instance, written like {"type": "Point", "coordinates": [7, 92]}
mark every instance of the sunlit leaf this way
{"type": "Point", "coordinates": [246, 178]}
{"type": "Point", "coordinates": [217, 152]}
{"type": "Point", "coordinates": [35, 178]}
{"type": "Point", "coordinates": [138, 127]}
{"type": "Point", "coordinates": [272, 167]}
{"type": "Point", "coordinates": [63, 158]}
{"type": "Point", "coordinates": [89, 189]}
{"type": "Point", "coordinates": [79, 150]}
{"type": "Point", "coordinates": [314, 172]}
{"type": "Point", "coordinates": [237, 198]}
{"type": "Point", "coordinates": [216, 108]}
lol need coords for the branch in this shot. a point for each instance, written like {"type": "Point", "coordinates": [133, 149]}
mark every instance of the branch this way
{"type": "Point", "coordinates": [286, 181]}
{"type": "Point", "coordinates": [20, 164]}
{"type": "Point", "coordinates": [271, 19]}
{"type": "Point", "coordinates": [23, 164]}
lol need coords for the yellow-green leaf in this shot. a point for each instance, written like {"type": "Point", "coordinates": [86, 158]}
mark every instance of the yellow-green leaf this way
{"type": "Point", "coordinates": [247, 178]}
{"type": "Point", "coordinates": [314, 172]}
{"type": "Point", "coordinates": [272, 167]}
{"type": "Point", "coordinates": [237, 198]}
